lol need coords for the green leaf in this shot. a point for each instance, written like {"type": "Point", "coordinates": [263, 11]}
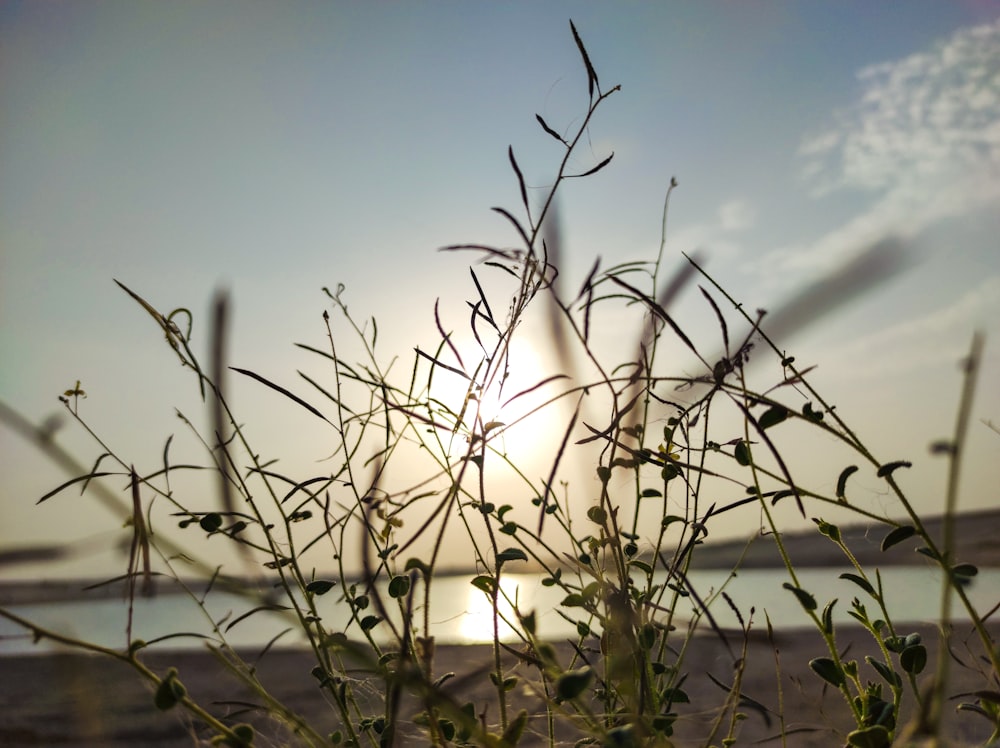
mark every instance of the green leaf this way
{"type": "Point", "coordinates": [828, 617]}
{"type": "Point", "coordinates": [890, 675]}
{"type": "Point", "coordinates": [484, 583]}
{"type": "Point", "coordinates": [515, 729]}
{"type": "Point", "coordinates": [965, 571]}
{"type": "Point", "coordinates": [829, 530]}
{"type": "Point", "coordinates": [808, 601]}
{"type": "Point", "coordinates": [742, 453]}
{"type": "Point", "coordinates": [169, 692]}
{"type": "Point", "coordinates": [641, 565]}
{"type": "Point", "coordinates": [320, 586]}
{"type": "Point", "coordinates": [597, 515]}
{"type": "Point", "coordinates": [773, 416]}
{"type": "Point", "coordinates": [842, 480]}
{"type": "Point", "coordinates": [675, 696]}
{"type": "Point", "coordinates": [572, 683]}
{"type": "Point", "coordinates": [573, 600]}
{"type": "Point", "coordinates": [898, 535]}
{"type": "Point", "coordinates": [913, 659]}
{"type": "Point", "coordinates": [828, 670]}
{"type": "Point", "coordinates": [370, 622]}
{"type": "Point", "coordinates": [511, 554]}
{"type": "Point", "coordinates": [875, 736]}
{"type": "Point", "coordinates": [925, 551]}
{"type": "Point", "coordinates": [860, 581]}
{"type": "Point", "coordinates": [650, 492]}
{"type": "Point", "coordinates": [399, 586]}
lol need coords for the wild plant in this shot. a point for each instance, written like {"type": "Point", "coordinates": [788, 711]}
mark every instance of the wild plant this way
{"type": "Point", "coordinates": [636, 472]}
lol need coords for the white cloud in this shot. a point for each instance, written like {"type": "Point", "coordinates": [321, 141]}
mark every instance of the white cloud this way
{"type": "Point", "coordinates": [736, 215]}
{"type": "Point", "coordinates": [929, 116]}
{"type": "Point", "coordinates": [923, 139]}
{"type": "Point", "coordinates": [719, 238]}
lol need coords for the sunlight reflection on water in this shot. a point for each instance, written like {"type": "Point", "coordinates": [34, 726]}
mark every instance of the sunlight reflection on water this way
{"type": "Point", "coordinates": [460, 613]}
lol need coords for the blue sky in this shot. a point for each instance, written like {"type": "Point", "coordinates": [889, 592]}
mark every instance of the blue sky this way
{"type": "Point", "coordinates": [274, 148]}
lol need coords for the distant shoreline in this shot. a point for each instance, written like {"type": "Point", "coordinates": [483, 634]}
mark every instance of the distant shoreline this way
{"type": "Point", "coordinates": [975, 542]}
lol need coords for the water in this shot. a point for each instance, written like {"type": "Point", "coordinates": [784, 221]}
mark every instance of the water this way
{"type": "Point", "coordinates": [460, 613]}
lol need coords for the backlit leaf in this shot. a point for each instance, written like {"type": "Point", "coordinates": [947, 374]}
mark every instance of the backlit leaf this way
{"type": "Point", "coordinates": [511, 554]}
{"type": "Point", "coordinates": [828, 670]}
{"type": "Point", "coordinates": [898, 535]}
{"type": "Point", "coordinates": [842, 480]}
{"type": "Point", "coordinates": [773, 416]}
{"type": "Point", "coordinates": [890, 467]}
{"type": "Point", "coordinates": [808, 601]}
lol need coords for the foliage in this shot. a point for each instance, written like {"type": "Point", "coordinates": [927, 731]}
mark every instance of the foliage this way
{"type": "Point", "coordinates": [619, 549]}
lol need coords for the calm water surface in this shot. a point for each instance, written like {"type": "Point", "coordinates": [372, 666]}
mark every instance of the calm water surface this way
{"type": "Point", "coordinates": [460, 613]}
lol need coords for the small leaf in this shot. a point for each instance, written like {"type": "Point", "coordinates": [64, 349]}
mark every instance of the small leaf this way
{"type": "Point", "coordinates": [572, 683]}
{"type": "Point", "coordinates": [890, 675]}
{"type": "Point", "coordinates": [829, 530]}
{"type": "Point", "coordinates": [828, 617]}
{"type": "Point", "coordinates": [210, 522]}
{"type": "Point", "coordinates": [842, 480]}
{"type": "Point", "coordinates": [244, 732]}
{"type": "Point", "coordinates": [399, 586]}
{"type": "Point", "coordinates": [320, 586]}
{"type": "Point", "coordinates": [860, 581]}
{"type": "Point", "coordinates": [597, 168]}
{"type": "Point", "coordinates": [515, 729]}
{"type": "Point", "coordinates": [641, 565]}
{"type": "Point", "coordinates": [964, 571]}
{"type": "Point", "coordinates": [591, 74]}
{"type": "Point", "coordinates": [913, 659]}
{"type": "Point", "coordinates": [484, 583]}
{"type": "Point", "coordinates": [773, 416]}
{"type": "Point", "coordinates": [808, 601]}
{"type": "Point", "coordinates": [828, 670]}
{"type": "Point", "coordinates": [520, 176]}
{"type": "Point", "coordinates": [925, 551]}
{"type": "Point", "coordinates": [169, 692]}
{"type": "Point", "coordinates": [898, 535]}
{"type": "Point", "coordinates": [650, 492]}
{"type": "Point", "coordinates": [597, 515]}
{"type": "Point", "coordinates": [876, 736]}
{"type": "Point", "coordinates": [742, 453]}
{"type": "Point", "coordinates": [890, 467]}
{"type": "Point", "coordinates": [416, 563]}
{"type": "Point", "coordinates": [676, 696]}
{"type": "Point", "coordinates": [511, 554]}
{"type": "Point", "coordinates": [370, 622]}
{"type": "Point", "coordinates": [549, 130]}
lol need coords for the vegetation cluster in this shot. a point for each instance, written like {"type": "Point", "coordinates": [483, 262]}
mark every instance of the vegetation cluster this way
{"type": "Point", "coordinates": [619, 547]}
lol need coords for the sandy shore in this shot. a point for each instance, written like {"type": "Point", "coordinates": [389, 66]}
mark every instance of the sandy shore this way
{"type": "Point", "coordinates": [78, 700]}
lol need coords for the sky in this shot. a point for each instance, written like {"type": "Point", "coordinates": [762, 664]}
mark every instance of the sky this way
{"type": "Point", "coordinates": [272, 149]}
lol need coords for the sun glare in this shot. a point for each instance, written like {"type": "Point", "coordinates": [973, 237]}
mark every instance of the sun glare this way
{"type": "Point", "coordinates": [477, 622]}
{"type": "Point", "coordinates": [503, 410]}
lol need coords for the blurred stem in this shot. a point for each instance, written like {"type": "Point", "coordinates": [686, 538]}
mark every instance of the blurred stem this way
{"type": "Point", "coordinates": [947, 560]}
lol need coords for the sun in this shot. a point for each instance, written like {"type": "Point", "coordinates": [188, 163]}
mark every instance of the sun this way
{"type": "Point", "coordinates": [503, 402]}
{"type": "Point", "coordinates": [478, 620]}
